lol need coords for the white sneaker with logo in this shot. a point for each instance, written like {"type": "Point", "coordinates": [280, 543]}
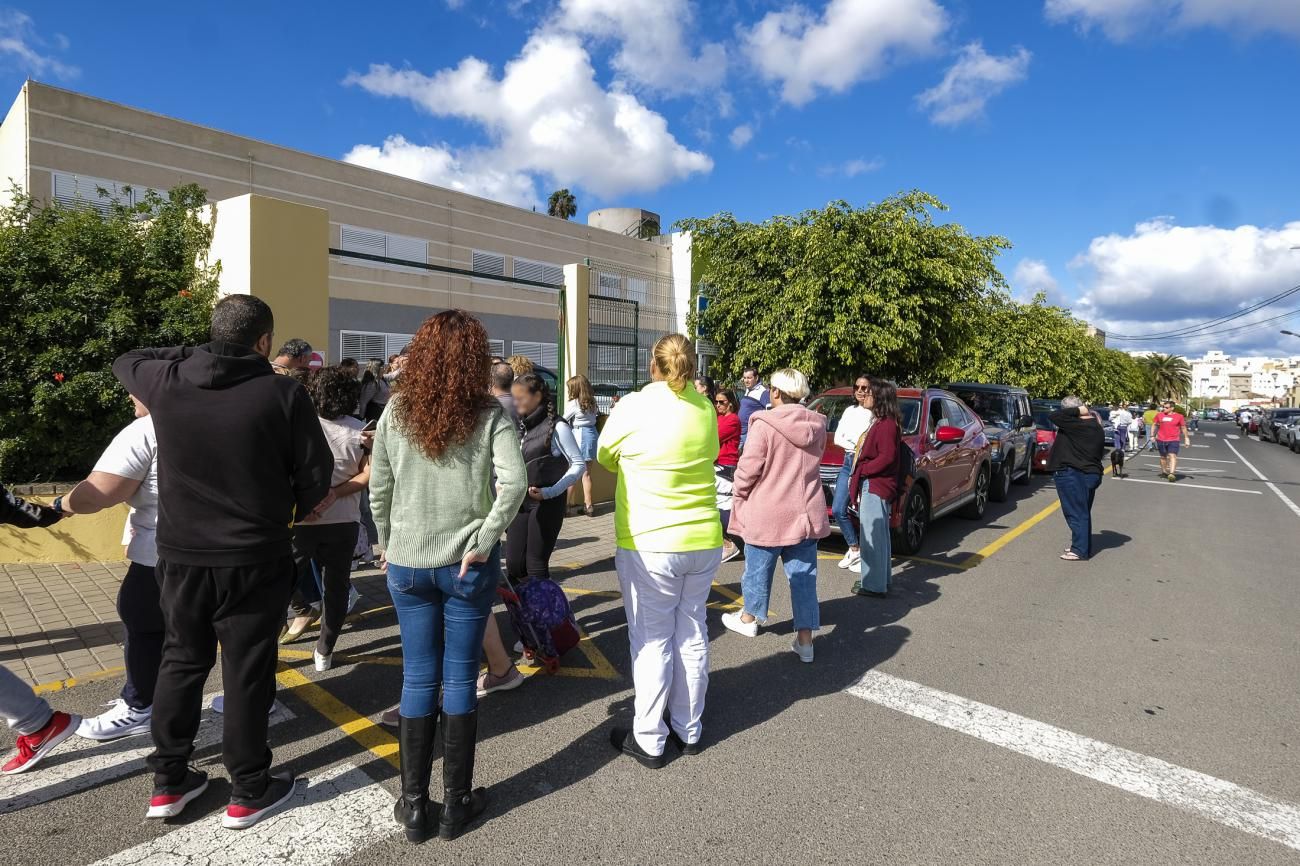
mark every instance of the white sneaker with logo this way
{"type": "Point", "coordinates": [852, 559]}
{"type": "Point", "coordinates": [120, 720]}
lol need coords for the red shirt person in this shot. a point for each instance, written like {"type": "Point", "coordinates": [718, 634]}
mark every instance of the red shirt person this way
{"type": "Point", "coordinates": [728, 429]}
{"type": "Point", "coordinates": [1169, 425]}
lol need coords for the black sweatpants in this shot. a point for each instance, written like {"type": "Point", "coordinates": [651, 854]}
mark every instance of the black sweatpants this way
{"type": "Point", "coordinates": [531, 537]}
{"type": "Point", "coordinates": [243, 608]}
{"type": "Point", "coordinates": [331, 545]}
{"type": "Point", "coordinates": [140, 610]}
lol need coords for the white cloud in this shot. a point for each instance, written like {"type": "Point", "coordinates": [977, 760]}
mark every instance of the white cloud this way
{"type": "Point", "coordinates": [443, 167]}
{"type": "Point", "coordinates": [547, 115]}
{"type": "Point", "coordinates": [1164, 276]}
{"type": "Point", "coordinates": [21, 44]}
{"type": "Point", "coordinates": [851, 168]}
{"type": "Point", "coordinates": [850, 41]}
{"type": "Point", "coordinates": [1122, 19]}
{"type": "Point", "coordinates": [971, 82]}
{"type": "Point", "coordinates": [741, 136]}
{"type": "Point", "coordinates": [1032, 276]}
{"type": "Point", "coordinates": [654, 41]}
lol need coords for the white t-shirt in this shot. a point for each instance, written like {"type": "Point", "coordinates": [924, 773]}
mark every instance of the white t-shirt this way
{"type": "Point", "coordinates": [576, 417]}
{"type": "Point", "coordinates": [344, 436]}
{"type": "Point", "coordinates": [855, 421]}
{"type": "Point", "coordinates": [133, 453]}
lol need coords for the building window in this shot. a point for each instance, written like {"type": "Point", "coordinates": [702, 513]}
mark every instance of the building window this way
{"type": "Point", "coordinates": [79, 190]}
{"type": "Point", "coordinates": [488, 263]}
{"type": "Point", "coordinates": [542, 272]}
{"type": "Point", "coordinates": [371, 242]}
{"type": "Point", "coordinates": [364, 345]}
{"type": "Point", "coordinates": [609, 285]}
{"type": "Point", "coordinates": [545, 354]}
{"type": "Point", "coordinates": [638, 290]}
{"type": "Point", "coordinates": [497, 347]}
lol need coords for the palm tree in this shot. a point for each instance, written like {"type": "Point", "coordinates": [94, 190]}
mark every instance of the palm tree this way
{"type": "Point", "coordinates": [561, 204]}
{"type": "Point", "coordinates": [1167, 376]}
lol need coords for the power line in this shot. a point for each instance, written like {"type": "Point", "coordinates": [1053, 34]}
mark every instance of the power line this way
{"type": "Point", "coordinates": [1192, 330]}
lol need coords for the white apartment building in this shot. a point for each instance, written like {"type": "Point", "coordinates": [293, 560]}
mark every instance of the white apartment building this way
{"type": "Point", "coordinates": [1270, 378]}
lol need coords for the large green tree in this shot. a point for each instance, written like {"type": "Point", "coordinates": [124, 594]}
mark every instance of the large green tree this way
{"type": "Point", "coordinates": [77, 288]}
{"type": "Point", "coordinates": [1166, 376]}
{"type": "Point", "coordinates": [884, 288]}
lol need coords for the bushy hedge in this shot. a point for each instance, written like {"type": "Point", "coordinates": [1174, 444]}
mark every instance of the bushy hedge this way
{"type": "Point", "coordinates": [77, 288]}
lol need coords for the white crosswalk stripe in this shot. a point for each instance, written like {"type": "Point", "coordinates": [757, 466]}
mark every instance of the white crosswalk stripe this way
{"type": "Point", "coordinates": [1210, 435]}
{"type": "Point", "coordinates": [80, 764]}
{"type": "Point", "coordinates": [332, 816]}
{"type": "Point", "coordinates": [1233, 436]}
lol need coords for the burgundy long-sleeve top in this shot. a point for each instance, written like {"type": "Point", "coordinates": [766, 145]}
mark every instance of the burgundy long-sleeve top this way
{"type": "Point", "coordinates": [878, 462]}
{"type": "Point", "coordinates": [728, 439]}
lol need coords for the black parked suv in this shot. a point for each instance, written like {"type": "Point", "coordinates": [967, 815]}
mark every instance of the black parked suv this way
{"type": "Point", "coordinates": [1009, 426]}
{"type": "Point", "coordinates": [1273, 419]}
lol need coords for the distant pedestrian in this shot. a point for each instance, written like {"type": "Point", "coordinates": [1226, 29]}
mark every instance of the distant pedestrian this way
{"type": "Point", "coordinates": [707, 387]}
{"type": "Point", "coordinates": [440, 522]}
{"type": "Point", "coordinates": [1122, 420]}
{"type": "Point", "coordinates": [780, 510]}
{"type": "Point", "coordinates": [850, 429]}
{"type": "Point", "coordinates": [582, 414]}
{"type": "Point", "coordinates": [875, 483]}
{"type": "Point", "coordinates": [39, 728]}
{"type": "Point", "coordinates": [1075, 465]}
{"type": "Point", "coordinates": [502, 377]}
{"type": "Point", "coordinates": [375, 392]}
{"type": "Point", "coordinates": [1170, 427]}
{"type": "Point", "coordinates": [749, 407]}
{"type": "Point", "coordinates": [241, 455]}
{"type": "Point", "coordinates": [754, 389]}
{"type": "Point", "coordinates": [522, 365]}
{"type": "Point", "coordinates": [663, 443]}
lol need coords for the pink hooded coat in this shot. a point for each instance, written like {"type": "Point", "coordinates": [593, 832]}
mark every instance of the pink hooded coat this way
{"type": "Point", "coordinates": [778, 497]}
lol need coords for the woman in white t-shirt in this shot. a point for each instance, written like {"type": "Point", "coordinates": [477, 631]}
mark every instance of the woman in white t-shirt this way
{"type": "Point", "coordinates": [581, 414]}
{"type": "Point", "coordinates": [127, 472]}
{"type": "Point", "coordinates": [853, 424]}
{"type": "Point", "coordinates": [328, 536]}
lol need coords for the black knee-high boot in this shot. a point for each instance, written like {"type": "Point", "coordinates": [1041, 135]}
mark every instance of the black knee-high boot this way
{"type": "Point", "coordinates": [462, 802]}
{"type": "Point", "coordinates": [414, 810]}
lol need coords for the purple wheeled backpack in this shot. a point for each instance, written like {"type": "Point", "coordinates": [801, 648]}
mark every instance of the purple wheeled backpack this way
{"type": "Point", "coordinates": [543, 619]}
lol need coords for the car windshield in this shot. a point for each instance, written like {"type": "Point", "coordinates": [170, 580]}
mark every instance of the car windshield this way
{"type": "Point", "coordinates": [992, 408]}
{"type": "Point", "coordinates": [1042, 421]}
{"type": "Point", "coordinates": [833, 406]}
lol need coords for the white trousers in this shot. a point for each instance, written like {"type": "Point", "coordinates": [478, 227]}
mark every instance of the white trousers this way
{"type": "Point", "coordinates": [664, 595]}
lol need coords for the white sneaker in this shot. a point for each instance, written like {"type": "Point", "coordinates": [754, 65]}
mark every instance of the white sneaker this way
{"type": "Point", "coordinates": [323, 663]}
{"type": "Point", "coordinates": [219, 705]}
{"type": "Point", "coordinates": [353, 598]}
{"type": "Point", "coordinates": [852, 559]}
{"type": "Point", "coordinates": [519, 647]}
{"type": "Point", "coordinates": [735, 623]}
{"type": "Point", "coordinates": [121, 720]}
{"type": "Point", "coordinates": [805, 653]}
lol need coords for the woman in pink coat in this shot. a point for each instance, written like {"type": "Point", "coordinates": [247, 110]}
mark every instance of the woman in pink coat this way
{"type": "Point", "coordinates": [779, 509]}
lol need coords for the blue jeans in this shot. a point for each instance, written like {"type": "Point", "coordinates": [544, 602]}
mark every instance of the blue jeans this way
{"type": "Point", "coordinates": [840, 504]}
{"type": "Point", "coordinates": [800, 561]}
{"type": "Point", "coordinates": [877, 546]}
{"type": "Point", "coordinates": [1076, 490]}
{"type": "Point", "coordinates": [442, 617]}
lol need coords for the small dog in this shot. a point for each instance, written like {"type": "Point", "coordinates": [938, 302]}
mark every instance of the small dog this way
{"type": "Point", "coordinates": [1117, 463]}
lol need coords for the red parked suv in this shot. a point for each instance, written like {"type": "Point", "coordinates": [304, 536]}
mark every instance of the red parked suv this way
{"type": "Point", "coordinates": [953, 465]}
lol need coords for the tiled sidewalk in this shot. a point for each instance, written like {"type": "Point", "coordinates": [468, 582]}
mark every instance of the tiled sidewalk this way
{"type": "Point", "coordinates": [59, 621]}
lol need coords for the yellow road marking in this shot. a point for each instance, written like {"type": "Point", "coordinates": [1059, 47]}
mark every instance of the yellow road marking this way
{"type": "Point", "coordinates": [60, 685]}
{"type": "Point", "coordinates": [1009, 536]}
{"type": "Point", "coordinates": [366, 732]}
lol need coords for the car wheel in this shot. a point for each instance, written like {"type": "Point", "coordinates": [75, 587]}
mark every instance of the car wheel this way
{"type": "Point", "coordinates": [1001, 488]}
{"type": "Point", "coordinates": [916, 519]}
{"type": "Point", "coordinates": [975, 510]}
{"type": "Point", "coordinates": [1029, 471]}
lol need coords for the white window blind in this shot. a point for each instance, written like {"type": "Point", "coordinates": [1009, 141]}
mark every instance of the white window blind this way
{"type": "Point", "coordinates": [610, 285]}
{"type": "Point", "coordinates": [638, 290]}
{"type": "Point", "coordinates": [545, 354]}
{"type": "Point", "coordinates": [488, 263]}
{"type": "Point", "coordinates": [526, 269]}
{"type": "Point", "coordinates": [364, 345]}
{"type": "Point", "coordinates": [375, 243]}
{"type": "Point", "coordinates": [79, 190]}
{"type": "Point", "coordinates": [497, 347]}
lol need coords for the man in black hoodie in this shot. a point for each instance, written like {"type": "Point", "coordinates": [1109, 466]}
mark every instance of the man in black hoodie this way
{"type": "Point", "coordinates": [240, 456]}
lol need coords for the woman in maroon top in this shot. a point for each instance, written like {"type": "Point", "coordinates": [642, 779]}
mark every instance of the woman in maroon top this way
{"type": "Point", "coordinates": [875, 478]}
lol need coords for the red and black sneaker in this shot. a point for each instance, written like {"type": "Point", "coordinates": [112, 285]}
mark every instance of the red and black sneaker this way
{"type": "Point", "coordinates": [168, 801]}
{"type": "Point", "coordinates": [246, 811]}
{"type": "Point", "coordinates": [31, 748]}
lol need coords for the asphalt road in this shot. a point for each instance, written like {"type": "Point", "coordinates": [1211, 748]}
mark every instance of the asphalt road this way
{"type": "Point", "coordinates": [1003, 707]}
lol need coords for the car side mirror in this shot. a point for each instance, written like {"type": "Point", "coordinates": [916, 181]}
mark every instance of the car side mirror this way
{"type": "Point", "coordinates": [1025, 421]}
{"type": "Point", "coordinates": [947, 435]}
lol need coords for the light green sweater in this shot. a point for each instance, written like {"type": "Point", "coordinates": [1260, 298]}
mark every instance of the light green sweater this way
{"type": "Point", "coordinates": [430, 513]}
{"type": "Point", "coordinates": [662, 444]}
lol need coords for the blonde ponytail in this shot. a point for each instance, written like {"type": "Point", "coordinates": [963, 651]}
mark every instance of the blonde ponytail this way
{"type": "Point", "coordinates": [674, 358]}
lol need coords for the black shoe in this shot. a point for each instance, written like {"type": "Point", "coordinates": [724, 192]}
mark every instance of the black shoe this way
{"type": "Point", "coordinates": [417, 814]}
{"type": "Point", "coordinates": [168, 801]}
{"type": "Point", "coordinates": [622, 739]}
{"type": "Point", "coordinates": [461, 804]}
{"type": "Point", "coordinates": [684, 747]}
{"type": "Point", "coordinates": [858, 590]}
{"type": "Point", "coordinates": [244, 812]}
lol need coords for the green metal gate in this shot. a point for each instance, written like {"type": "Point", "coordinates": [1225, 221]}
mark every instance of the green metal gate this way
{"type": "Point", "coordinates": [612, 346]}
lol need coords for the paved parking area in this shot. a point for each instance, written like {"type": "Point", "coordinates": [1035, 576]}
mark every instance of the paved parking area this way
{"type": "Point", "coordinates": [1002, 707]}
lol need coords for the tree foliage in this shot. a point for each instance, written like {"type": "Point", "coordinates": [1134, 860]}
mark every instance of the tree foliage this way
{"type": "Point", "coordinates": [1045, 350]}
{"type": "Point", "coordinates": [562, 204]}
{"type": "Point", "coordinates": [1166, 376]}
{"type": "Point", "coordinates": [77, 288]}
{"type": "Point", "coordinates": [841, 290]}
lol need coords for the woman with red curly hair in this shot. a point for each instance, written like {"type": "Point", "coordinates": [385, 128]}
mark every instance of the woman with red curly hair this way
{"type": "Point", "coordinates": [436, 451]}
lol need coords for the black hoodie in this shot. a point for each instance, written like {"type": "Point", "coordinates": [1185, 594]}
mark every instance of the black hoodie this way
{"type": "Point", "coordinates": [240, 452]}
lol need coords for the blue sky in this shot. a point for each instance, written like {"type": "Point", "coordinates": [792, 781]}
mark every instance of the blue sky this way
{"type": "Point", "coordinates": [1139, 154]}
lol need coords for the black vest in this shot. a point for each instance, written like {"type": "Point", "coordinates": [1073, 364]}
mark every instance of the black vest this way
{"type": "Point", "coordinates": [544, 468]}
